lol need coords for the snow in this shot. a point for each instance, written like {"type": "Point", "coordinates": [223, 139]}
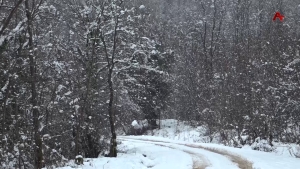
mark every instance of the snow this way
{"type": "Point", "coordinates": [133, 46]}
{"type": "Point", "coordinates": [216, 161]}
{"type": "Point", "coordinates": [79, 156]}
{"type": "Point", "coordinates": [259, 159]}
{"type": "Point", "coordinates": [291, 150]}
{"type": "Point", "coordinates": [74, 101]}
{"type": "Point", "coordinates": [244, 138]}
{"type": "Point", "coordinates": [262, 160]}
{"type": "Point", "coordinates": [68, 93]}
{"type": "Point", "coordinates": [181, 131]}
{"type": "Point", "coordinates": [136, 125]}
{"type": "Point", "coordinates": [15, 31]}
{"type": "Point", "coordinates": [295, 62]}
{"type": "Point", "coordinates": [181, 146]}
{"type": "Point", "coordinates": [139, 156]}
{"type": "Point", "coordinates": [60, 87]}
{"type": "Point", "coordinates": [5, 86]}
{"type": "Point", "coordinates": [142, 7]}
{"type": "Point", "coordinates": [77, 107]}
{"type": "Point", "coordinates": [176, 130]}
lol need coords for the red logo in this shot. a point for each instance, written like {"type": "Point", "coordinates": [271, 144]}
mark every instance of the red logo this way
{"type": "Point", "coordinates": [278, 15]}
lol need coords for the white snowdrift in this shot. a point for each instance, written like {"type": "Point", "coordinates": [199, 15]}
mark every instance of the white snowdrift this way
{"type": "Point", "coordinates": [139, 156]}
{"type": "Point", "coordinates": [260, 160]}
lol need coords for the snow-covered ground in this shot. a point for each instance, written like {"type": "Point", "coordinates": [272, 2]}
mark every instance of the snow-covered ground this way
{"type": "Point", "coordinates": [142, 152]}
{"type": "Point", "coordinates": [259, 160]}
{"type": "Point", "coordinates": [139, 155]}
{"type": "Point", "coordinates": [181, 131]}
{"type": "Point", "coordinates": [179, 146]}
{"type": "Point", "coordinates": [177, 130]}
{"type": "Point", "coordinates": [210, 159]}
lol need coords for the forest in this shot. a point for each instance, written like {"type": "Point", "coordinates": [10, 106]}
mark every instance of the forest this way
{"type": "Point", "coordinates": [75, 73]}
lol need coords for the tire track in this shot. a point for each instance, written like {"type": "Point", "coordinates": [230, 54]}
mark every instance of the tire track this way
{"type": "Point", "coordinates": [242, 163]}
{"type": "Point", "coordinates": [198, 163]}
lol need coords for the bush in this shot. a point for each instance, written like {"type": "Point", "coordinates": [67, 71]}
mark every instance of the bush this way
{"type": "Point", "coordinates": [297, 152]}
{"type": "Point", "coordinates": [138, 127]}
{"type": "Point", "coordinates": [79, 160]}
{"type": "Point", "coordinates": [262, 145]}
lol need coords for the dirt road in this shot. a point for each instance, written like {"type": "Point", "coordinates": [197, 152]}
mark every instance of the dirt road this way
{"type": "Point", "coordinates": [203, 158]}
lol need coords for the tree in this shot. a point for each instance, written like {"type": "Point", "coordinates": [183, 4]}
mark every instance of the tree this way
{"type": "Point", "coordinates": [30, 12]}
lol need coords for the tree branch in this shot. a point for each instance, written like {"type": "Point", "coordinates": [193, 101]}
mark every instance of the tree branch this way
{"type": "Point", "coordinates": [7, 20]}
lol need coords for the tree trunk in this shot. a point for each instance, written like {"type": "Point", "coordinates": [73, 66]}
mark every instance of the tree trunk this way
{"type": "Point", "coordinates": [111, 64]}
{"type": "Point", "coordinates": [113, 141]}
{"type": "Point", "coordinates": [34, 96]}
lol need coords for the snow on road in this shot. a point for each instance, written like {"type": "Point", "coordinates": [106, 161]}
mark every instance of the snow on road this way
{"type": "Point", "coordinates": [259, 160]}
{"type": "Point", "coordinates": [161, 157]}
{"type": "Point", "coordinates": [206, 158]}
{"type": "Point", "coordinates": [143, 152]}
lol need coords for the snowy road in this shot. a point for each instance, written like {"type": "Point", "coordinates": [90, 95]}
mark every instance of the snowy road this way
{"type": "Point", "coordinates": [203, 158]}
{"type": "Point", "coordinates": [143, 152]}
{"type": "Point", "coordinates": [214, 156]}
